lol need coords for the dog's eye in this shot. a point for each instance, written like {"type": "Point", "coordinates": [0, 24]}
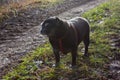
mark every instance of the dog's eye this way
{"type": "Point", "coordinates": [46, 24]}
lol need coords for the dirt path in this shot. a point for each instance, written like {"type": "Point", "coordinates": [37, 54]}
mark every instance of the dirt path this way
{"type": "Point", "coordinates": [77, 11]}
{"type": "Point", "coordinates": [11, 50]}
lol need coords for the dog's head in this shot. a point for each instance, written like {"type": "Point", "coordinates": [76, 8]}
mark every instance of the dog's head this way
{"type": "Point", "coordinates": [50, 26]}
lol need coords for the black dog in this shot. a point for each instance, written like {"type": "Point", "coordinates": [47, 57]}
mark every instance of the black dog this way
{"type": "Point", "coordinates": [65, 36]}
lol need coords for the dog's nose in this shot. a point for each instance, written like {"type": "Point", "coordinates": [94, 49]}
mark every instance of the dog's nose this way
{"type": "Point", "coordinates": [43, 32]}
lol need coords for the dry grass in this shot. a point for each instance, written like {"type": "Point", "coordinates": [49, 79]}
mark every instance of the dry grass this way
{"type": "Point", "coordinates": [4, 9]}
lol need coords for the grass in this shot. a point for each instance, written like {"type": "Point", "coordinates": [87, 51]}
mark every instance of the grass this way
{"type": "Point", "coordinates": [15, 7]}
{"type": "Point", "coordinates": [39, 65]}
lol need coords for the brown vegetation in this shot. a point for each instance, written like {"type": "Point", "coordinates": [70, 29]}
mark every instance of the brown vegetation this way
{"type": "Point", "coordinates": [16, 6]}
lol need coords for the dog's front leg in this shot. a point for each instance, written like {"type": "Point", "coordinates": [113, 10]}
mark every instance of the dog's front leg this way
{"type": "Point", "coordinates": [74, 54]}
{"type": "Point", "coordinates": [57, 57]}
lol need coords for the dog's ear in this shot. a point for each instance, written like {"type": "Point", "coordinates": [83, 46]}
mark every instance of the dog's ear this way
{"type": "Point", "coordinates": [56, 18]}
{"type": "Point", "coordinates": [59, 21]}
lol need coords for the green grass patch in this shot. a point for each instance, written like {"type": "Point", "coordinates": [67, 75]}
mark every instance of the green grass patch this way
{"type": "Point", "coordinates": [39, 65]}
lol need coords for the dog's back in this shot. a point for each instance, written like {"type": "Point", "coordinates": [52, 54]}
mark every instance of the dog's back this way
{"type": "Point", "coordinates": [82, 27]}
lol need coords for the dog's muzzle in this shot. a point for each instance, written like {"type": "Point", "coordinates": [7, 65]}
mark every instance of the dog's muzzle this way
{"type": "Point", "coordinates": [44, 32]}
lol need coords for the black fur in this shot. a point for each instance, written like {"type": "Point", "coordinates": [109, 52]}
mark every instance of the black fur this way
{"type": "Point", "coordinates": [56, 29]}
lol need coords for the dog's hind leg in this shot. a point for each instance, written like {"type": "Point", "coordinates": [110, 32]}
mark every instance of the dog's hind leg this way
{"type": "Point", "coordinates": [86, 43]}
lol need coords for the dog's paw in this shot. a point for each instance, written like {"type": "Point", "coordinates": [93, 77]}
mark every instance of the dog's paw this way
{"type": "Point", "coordinates": [86, 55]}
{"type": "Point", "coordinates": [73, 67]}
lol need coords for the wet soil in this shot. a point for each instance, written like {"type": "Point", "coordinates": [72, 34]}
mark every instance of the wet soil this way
{"type": "Point", "coordinates": [114, 65]}
{"type": "Point", "coordinates": [20, 33]}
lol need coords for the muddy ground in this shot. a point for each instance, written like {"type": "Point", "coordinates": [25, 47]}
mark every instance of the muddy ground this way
{"type": "Point", "coordinates": [20, 34]}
